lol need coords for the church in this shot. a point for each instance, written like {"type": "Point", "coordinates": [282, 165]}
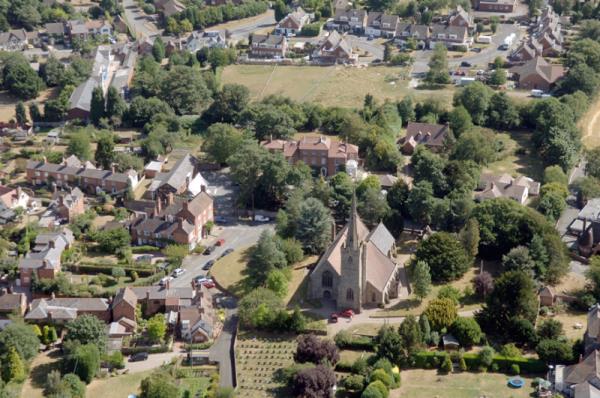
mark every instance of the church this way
{"type": "Point", "coordinates": [358, 269]}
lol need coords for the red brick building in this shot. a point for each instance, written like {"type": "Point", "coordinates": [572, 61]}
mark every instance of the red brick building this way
{"type": "Point", "coordinates": [320, 153]}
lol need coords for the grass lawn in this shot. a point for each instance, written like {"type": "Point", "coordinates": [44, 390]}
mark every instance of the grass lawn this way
{"type": "Point", "coordinates": [259, 357]}
{"type": "Point", "coordinates": [118, 386]}
{"type": "Point", "coordinates": [569, 320]}
{"type": "Point", "coordinates": [33, 387]}
{"type": "Point", "coordinates": [518, 162]}
{"type": "Point", "coordinates": [419, 383]}
{"type": "Point", "coordinates": [330, 86]}
{"type": "Point", "coordinates": [349, 356]}
{"type": "Point", "coordinates": [229, 271]}
{"type": "Point", "coordinates": [299, 283]}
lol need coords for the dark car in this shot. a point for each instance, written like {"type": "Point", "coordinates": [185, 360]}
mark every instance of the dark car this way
{"type": "Point", "coordinates": [139, 356]}
{"type": "Point", "coordinates": [226, 252]}
{"type": "Point", "coordinates": [209, 250]}
{"type": "Point", "coordinates": [465, 64]}
{"type": "Point", "coordinates": [221, 220]}
{"type": "Point", "coordinates": [208, 264]}
{"type": "Point", "coordinates": [476, 50]}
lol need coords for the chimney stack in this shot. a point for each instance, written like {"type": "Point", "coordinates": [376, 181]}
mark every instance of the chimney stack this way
{"type": "Point", "coordinates": [170, 198]}
{"type": "Point", "coordinates": [44, 160]}
{"type": "Point", "coordinates": [113, 168]}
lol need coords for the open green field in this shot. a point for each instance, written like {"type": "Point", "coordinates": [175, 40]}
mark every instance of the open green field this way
{"type": "Point", "coordinates": [429, 384]}
{"type": "Point", "coordinates": [521, 156]}
{"type": "Point", "coordinates": [331, 85]}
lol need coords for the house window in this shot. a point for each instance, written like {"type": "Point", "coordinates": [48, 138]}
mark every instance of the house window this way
{"type": "Point", "coordinates": [327, 279]}
{"type": "Point", "coordinates": [373, 297]}
{"type": "Point", "coordinates": [350, 295]}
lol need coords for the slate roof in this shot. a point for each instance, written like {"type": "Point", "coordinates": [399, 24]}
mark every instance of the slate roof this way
{"type": "Point", "coordinates": [426, 133]}
{"type": "Point", "coordinates": [65, 307]}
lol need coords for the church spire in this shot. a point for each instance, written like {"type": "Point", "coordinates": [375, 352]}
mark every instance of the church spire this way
{"type": "Point", "coordinates": [352, 237]}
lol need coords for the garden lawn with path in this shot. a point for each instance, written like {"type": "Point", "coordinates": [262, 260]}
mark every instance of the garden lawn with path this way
{"type": "Point", "coordinates": [418, 383]}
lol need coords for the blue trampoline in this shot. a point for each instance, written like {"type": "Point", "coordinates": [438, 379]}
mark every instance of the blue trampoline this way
{"type": "Point", "coordinates": [516, 382]}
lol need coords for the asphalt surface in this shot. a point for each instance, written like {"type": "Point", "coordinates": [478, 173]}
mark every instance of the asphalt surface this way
{"type": "Point", "coordinates": [245, 28]}
{"type": "Point", "coordinates": [480, 60]}
{"type": "Point", "coordinates": [138, 21]}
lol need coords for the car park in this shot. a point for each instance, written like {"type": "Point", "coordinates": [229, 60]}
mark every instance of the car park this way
{"type": "Point", "coordinates": [138, 356]}
{"type": "Point", "coordinates": [178, 272]}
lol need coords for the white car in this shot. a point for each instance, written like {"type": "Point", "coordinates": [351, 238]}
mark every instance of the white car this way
{"type": "Point", "coordinates": [178, 272]}
{"type": "Point", "coordinates": [261, 218]}
{"type": "Point", "coordinates": [164, 280]}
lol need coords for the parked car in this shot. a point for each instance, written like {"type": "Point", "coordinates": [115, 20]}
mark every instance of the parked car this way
{"type": "Point", "coordinates": [261, 218]}
{"type": "Point", "coordinates": [208, 284]}
{"type": "Point", "coordinates": [164, 280]}
{"type": "Point", "coordinates": [221, 220]}
{"type": "Point", "coordinates": [220, 242]}
{"type": "Point", "coordinates": [209, 250]}
{"type": "Point", "coordinates": [476, 49]}
{"type": "Point", "coordinates": [202, 279]}
{"type": "Point", "coordinates": [346, 313]}
{"type": "Point", "coordinates": [138, 356]}
{"type": "Point", "coordinates": [208, 265]}
{"type": "Point", "coordinates": [178, 272]}
{"type": "Point", "coordinates": [226, 252]}
{"type": "Point", "coordinates": [465, 64]}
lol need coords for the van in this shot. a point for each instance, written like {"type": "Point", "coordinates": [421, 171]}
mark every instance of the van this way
{"type": "Point", "coordinates": [484, 39]}
{"type": "Point", "coordinates": [537, 93]}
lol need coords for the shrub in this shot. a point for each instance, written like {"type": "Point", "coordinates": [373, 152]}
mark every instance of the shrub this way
{"type": "Point", "coordinates": [486, 356]}
{"type": "Point", "coordinates": [360, 366]}
{"type": "Point", "coordinates": [311, 30]}
{"type": "Point", "coordinates": [510, 350]}
{"type": "Point", "coordinates": [312, 349]}
{"type": "Point", "coordinates": [345, 340]}
{"type": "Point", "coordinates": [354, 383]}
{"type": "Point", "coordinates": [446, 365]}
{"type": "Point", "coordinates": [441, 313]}
{"type": "Point", "coordinates": [381, 375]}
{"type": "Point", "coordinates": [466, 331]}
{"type": "Point", "coordinates": [375, 390]}
{"type": "Point", "coordinates": [515, 369]}
{"type": "Point", "coordinates": [462, 365]}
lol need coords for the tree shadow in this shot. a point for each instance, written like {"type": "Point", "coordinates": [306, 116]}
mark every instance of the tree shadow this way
{"type": "Point", "coordinates": [40, 373]}
{"type": "Point", "coordinates": [407, 304]}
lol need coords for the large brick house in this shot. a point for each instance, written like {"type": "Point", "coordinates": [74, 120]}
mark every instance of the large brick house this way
{"type": "Point", "coordinates": [177, 219]}
{"type": "Point", "coordinates": [69, 204]}
{"type": "Point", "coordinates": [44, 259]}
{"type": "Point", "coordinates": [161, 299]}
{"type": "Point", "coordinates": [183, 179]}
{"type": "Point", "coordinates": [334, 49]}
{"type": "Point", "coordinates": [293, 23]}
{"type": "Point", "coordinates": [503, 6]}
{"type": "Point", "coordinates": [64, 309]}
{"type": "Point", "coordinates": [83, 175]}
{"type": "Point", "coordinates": [268, 46]}
{"type": "Point", "coordinates": [320, 153]}
{"type": "Point", "coordinates": [123, 305]}
{"type": "Point", "coordinates": [537, 74]}
{"type": "Point", "coordinates": [433, 136]}
{"type": "Point", "coordinates": [381, 24]}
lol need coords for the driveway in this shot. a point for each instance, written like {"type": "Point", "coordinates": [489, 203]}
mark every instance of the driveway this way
{"type": "Point", "coordinates": [222, 349]}
{"type": "Point", "coordinates": [373, 47]}
{"type": "Point", "coordinates": [482, 59]}
{"type": "Point", "coordinates": [154, 360]}
{"type": "Point", "coordinates": [138, 22]}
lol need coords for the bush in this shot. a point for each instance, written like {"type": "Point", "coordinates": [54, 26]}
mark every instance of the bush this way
{"type": "Point", "coordinates": [466, 331]}
{"type": "Point", "coordinates": [312, 349]}
{"type": "Point", "coordinates": [486, 356]}
{"type": "Point", "coordinates": [311, 30]}
{"type": "Point", "coordinates": [354, 383]}
{"type": "Point", "coordinates": [375, 390]}
{"type": "Point", "coordinates": [144, 249]}
{"type": "Point", "coordinates": [515, 369]}
{"type": "Point", "coordinates": [510, 350]}
{"type": "Point", "coordinates": [382, 376]}
{"type": "Point", "coordinates": [360, 366]}
{"type": "Point", "coordinates": [446, 365]}
{"type": "Point", "coordinates": [428, 360]}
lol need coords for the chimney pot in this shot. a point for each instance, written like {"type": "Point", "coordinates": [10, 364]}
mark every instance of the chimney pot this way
{"type": "Point", "coordinates": [170, 198]}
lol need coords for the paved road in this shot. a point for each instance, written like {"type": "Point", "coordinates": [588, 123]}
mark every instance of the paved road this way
{"type": "Point", "coordinates": [481, 59]}
{"type": "Point", "coordinates": [244, 28]}
{"type": "Point", "coordinates": [137, 21]}
{"type": "Point", "coordinates": [222, 349]}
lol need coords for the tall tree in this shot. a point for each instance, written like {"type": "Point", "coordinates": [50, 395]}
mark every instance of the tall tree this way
{"type": "Point", "coordinates": [246, 169]}
{"type": "Point", "coordinates": [421, 279]}
{"type": "Point", "coordinates": [105, 151]}
{"type": "Point", "coordinates": [445, 256]}
{"type": "Point", "coordinates": [438, 66]}
{"type": "Point", "coordinates": [158, 49]}
{"type": "Point", "coordinates": [21, 114]}
{"type": "Point", "coordinates": [222, 141]}
{"type": "Point", "coordinates": [79, 145]}
{"type": "Point", "coordinates": [314, 226]}
{"type": "Point", "coordinates": [115, 105]}
{"type": "Point", "coordinates": [97, 105]}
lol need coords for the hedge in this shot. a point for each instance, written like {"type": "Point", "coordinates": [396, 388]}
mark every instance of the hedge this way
{"type": "Point", "coordinates": [430, 360]}
{"type": "Point", "coordinates": [362, 343]}
{"type": "Point", "coordinates": [107, 269]}
{"type": "Point", "coordinates": [197, 346]}
{"type": "Point", "coordinates": [144, 249]}
{"type": "Point", "coordinates": [155, 349]}
{"type": "Point", "coordinates": [343, 367]}
{"type": "Point", "coordinates": [311, 30]}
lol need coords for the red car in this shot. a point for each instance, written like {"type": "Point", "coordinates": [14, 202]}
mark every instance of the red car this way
{"type": "Point", "coordinates": [346, 313]}
{"type": "Point", "coordinates": [220, 242]}
{"type": "Point", "coordinates": [208, 284]}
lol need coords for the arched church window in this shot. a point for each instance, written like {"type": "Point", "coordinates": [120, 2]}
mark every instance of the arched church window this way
{"type": "Point", "coordinates": [327, 279]}
{"type": "Point", "coordinates": [349, 294]}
